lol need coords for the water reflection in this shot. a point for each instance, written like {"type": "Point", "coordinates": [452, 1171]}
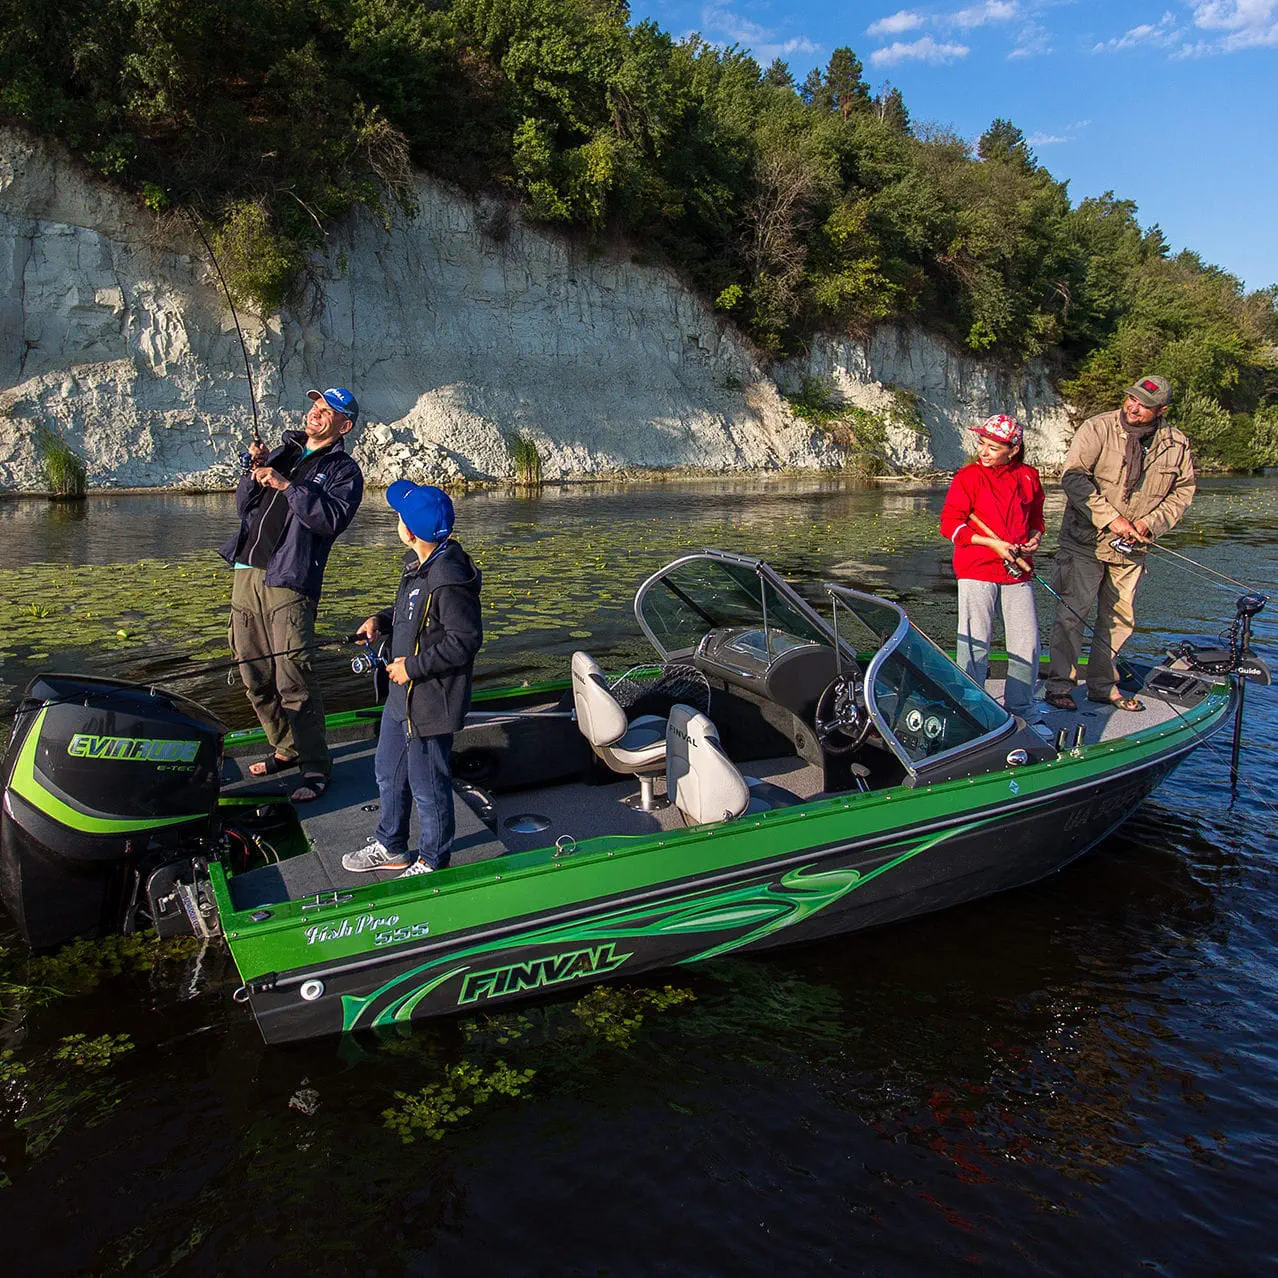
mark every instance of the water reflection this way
{"type": "Point", "coordinates": [1090, 1058]}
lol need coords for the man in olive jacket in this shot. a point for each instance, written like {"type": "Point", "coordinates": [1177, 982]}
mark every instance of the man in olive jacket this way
{"type": "Point", "coordinates": [1128, 474]}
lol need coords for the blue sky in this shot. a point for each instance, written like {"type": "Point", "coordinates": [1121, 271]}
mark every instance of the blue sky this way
{"type": "Point", "coordinates": [1172, 105]}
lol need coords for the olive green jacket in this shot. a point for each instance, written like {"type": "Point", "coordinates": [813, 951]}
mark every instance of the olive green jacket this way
{"type": "Point", "coordinates": [1093, 484]}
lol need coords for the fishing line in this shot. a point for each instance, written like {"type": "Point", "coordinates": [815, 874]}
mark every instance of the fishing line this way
{"type": "Point", "coordinates": [248, 373]}
{"type": "Point", "coordinates": [1166, 550]}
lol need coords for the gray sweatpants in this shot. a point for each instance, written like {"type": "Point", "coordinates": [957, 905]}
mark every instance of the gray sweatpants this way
{"type": "Point", "coordinates": [977, 603]}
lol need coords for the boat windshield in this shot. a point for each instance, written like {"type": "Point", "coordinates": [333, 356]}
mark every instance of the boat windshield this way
{"type": "Point", "coordinates": [678, 606]}
{"type": "Point", "coordinates": [923, 705]}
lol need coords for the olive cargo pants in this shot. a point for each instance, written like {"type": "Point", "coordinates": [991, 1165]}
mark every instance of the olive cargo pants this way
{"type": "Point", "coordinates": [1081, 583]}
{"type": "Point", "coordinates": [282, 689]}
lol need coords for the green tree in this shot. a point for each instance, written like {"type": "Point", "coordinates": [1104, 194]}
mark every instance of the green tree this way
{"type": "Point", "coordinates": [842, 88]}
{"type": "Point", "coordinates": [1004, 143]}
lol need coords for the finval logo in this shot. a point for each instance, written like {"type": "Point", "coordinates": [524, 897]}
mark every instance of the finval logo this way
{"type": "Point", "coordinates": [494, 982]}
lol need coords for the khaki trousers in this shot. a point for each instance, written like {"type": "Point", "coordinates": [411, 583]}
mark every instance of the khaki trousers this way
{"type": "Point", "coordinates": [282, 690]}
{"type": "Point", "coordinates": [1082, 583]}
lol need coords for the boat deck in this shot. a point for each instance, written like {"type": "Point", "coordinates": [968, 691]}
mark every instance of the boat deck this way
{"type": "Point", "coordinates": [1099, 722]}
{"type": "Point", "coordinates": [345, 817]}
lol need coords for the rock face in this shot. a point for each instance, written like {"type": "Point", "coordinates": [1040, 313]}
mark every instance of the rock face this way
{"type": "Point", "coordinates": [457, 330]}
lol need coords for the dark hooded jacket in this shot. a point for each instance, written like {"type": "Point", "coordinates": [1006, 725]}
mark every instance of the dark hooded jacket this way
{"type": "Point", "coordinates": [436, 627]}
{"type": "Point", "coordinates": [325, 492]}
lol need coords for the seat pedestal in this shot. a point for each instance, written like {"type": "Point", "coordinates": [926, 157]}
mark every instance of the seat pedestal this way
{"type": "Point", "coordinates": [647, 800]}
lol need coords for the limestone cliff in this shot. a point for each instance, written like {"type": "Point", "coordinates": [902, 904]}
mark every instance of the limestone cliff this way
{"type": "Point", "coordinates": [456, 330]}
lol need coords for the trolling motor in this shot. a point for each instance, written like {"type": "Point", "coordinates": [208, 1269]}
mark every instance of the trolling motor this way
{"type": "Point", "coordinates": [1234, 656]}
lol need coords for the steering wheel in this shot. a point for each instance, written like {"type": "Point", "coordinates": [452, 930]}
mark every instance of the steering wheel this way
{"type": "Point", "coordinates": [841, 719]}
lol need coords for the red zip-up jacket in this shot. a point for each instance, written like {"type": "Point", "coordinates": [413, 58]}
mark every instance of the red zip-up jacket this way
{"type": "Point", "coordinates": [1008, 499]}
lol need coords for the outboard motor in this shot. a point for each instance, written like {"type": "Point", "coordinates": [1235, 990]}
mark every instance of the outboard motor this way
{"type": "Point", "coordinates": [108, 786]}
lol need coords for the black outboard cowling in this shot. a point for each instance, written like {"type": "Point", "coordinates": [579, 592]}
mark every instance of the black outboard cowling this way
{"type": "Point", "coordinates": [104, 781]}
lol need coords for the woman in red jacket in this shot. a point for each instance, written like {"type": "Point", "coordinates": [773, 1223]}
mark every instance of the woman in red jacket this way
{"type": "Point", "coordinates": [993, 515]}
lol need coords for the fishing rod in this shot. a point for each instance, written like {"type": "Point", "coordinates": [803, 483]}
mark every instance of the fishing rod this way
{"type": "Point", "coordinates": [1238, 658]}
{"type": "Point", "coordinates": [1127, 546]}
{"type": "Point", "coordinates": [246, 458]}
{"type": "Point", "coordinates": [360, 664]}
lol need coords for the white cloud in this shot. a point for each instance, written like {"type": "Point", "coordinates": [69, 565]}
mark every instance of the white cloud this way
{"type": "Point", "coordinates": [977, 15]}
{"type": "Point", "coordinates": [922, 50]}
{"type": "Point", "coordinates": [1068, 134]}
{"type": "Point", "coordinates": [721, 25]}
{"type": "Point", "coordinates": [1032, 42]}
{"type": "Point", "coordinates": [1162, 34]}
{"type": "Point", "coordinates": [895, 24]}
{"type": "Point", "coordinates": [1250, 24]}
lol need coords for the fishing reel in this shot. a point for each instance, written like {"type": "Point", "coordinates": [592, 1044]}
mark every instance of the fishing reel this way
{"type": "Point", "coordinates": [368, 662]}
{"type": "Point", "coordinates": [373, 661]}
{"type": "Point", "coordinates": [1014, 570]}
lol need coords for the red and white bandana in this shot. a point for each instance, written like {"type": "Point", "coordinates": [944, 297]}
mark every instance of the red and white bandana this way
{"type": "Point", "coordinates": [1001, 428]}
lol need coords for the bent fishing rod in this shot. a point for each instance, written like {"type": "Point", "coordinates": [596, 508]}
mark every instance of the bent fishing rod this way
{"type": "Point", "coordinates": [246, 458]}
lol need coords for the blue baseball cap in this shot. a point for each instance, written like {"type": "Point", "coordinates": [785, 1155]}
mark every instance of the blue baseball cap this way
{"type": "Point", "coordinates": [339, 399]}
{"type": "Point", "coordinates": [427, 511]}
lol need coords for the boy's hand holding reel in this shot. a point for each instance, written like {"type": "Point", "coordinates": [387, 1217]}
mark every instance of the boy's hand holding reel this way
{"type": "Point", "coordinates": [375, 659]}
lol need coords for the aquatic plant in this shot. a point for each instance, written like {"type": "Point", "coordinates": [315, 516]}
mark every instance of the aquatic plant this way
{"type": "Point", "coordinates": [92, 1053]}
{"type": "Point", "coordinates": [64, 472]}
{"type": "Point", "coordinates": [441, 1105]}
{"type": "Point", "coordinates": [525, 458]}
{"type": "Point", "coordinates": [614, 1012]}
{"type": "Point", "coordinates": [78, 968]}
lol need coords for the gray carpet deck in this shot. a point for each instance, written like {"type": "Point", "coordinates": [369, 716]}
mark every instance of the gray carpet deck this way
{"type": "Point", "coordinates": [1099, 723]}
{"type": "Point", "coordinates": [345, 816]}
{"type": "Point", "coordinates": [340, 821]}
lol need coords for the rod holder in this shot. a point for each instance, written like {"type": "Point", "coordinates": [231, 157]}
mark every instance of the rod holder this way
{"type": "Point", "coordinates": [1079, 733]}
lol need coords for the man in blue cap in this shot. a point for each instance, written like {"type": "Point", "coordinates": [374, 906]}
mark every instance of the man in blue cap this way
{"type": "Point", "coordinates": [293, 503]}
{"type": "Point", "coordinates": [436, 630]}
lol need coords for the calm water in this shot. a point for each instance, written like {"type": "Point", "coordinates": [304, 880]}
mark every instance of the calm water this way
{"type": "Point", "coordinates": [1080, 1077]}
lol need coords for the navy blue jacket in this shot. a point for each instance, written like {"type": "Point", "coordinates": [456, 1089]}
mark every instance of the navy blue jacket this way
{"type": "Point", "coordinates": [319, 509]}
{"type": "Point", "coordinates": [436, 627]}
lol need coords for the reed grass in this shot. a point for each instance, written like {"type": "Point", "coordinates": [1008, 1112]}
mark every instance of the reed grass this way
{"type": "Point", "coordinates": [64, 472]}
{"type": "Point", "coordinates": [526, 459]}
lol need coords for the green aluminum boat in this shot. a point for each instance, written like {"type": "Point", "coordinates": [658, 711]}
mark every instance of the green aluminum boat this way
{"type": "Point", "coordinates": [779, 773]}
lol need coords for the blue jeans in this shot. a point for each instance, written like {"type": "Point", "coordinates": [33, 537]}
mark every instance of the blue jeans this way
{"type": "Point", "coordinates": [414, 769]}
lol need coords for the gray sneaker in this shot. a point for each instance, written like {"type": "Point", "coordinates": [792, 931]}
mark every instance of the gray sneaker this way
{"type": "Point", "coordinates": [374, 856]}
{"type": "Point", "coordinates": [418, 867]}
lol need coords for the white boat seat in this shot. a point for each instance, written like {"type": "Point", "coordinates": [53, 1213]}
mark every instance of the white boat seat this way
{"type": "Point", "coordinates": [637, 749]}
{"type": "Point", "coordinates": [703, 782]}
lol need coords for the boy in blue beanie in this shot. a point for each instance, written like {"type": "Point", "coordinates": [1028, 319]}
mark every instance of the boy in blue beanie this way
{"type": "Point", "coordinates": [436, 630]}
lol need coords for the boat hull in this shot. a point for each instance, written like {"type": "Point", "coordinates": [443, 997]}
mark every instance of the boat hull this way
{"type": "Point", "coordinates": [935, 850]}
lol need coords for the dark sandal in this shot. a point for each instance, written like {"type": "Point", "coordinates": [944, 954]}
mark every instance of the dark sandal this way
{"type": "Point", "coordinates": [1060, 701]}
{"type": "Point", "coordinates": [1132, 705]}
{"type": "Point", "coordinates": [312, 787]}
{"type": "Point", "coordinates": [270, 766]}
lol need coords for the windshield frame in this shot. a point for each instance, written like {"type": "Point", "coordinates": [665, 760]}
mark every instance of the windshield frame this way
{"type": "Point", "coordinates": [904, 628]}
{"type": "Point", "coordinates": [767, 577]}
